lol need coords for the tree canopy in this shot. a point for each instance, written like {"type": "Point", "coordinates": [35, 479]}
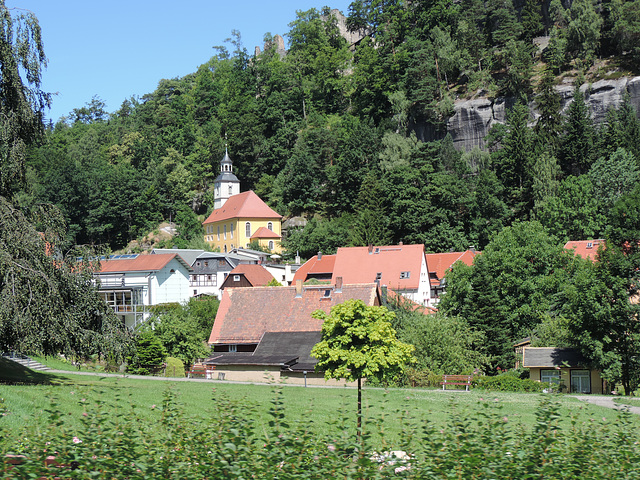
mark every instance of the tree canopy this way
{"type": "Point", "coordinates": [48, 301]}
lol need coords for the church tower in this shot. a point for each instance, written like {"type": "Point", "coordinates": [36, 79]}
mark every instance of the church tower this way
{"type": "Point", "coordinates": [226, 184]}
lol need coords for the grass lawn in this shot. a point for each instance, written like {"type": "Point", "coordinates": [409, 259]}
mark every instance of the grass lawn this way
{"type": "Point", "coordinates": [328, 408]}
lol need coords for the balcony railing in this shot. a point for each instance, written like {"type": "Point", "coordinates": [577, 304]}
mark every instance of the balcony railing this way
{"type": "Point", "coordinates": [124, 309]}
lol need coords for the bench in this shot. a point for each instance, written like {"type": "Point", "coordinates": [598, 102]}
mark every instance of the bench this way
{"type": "Point", "coordinates": [201, 370]}
{"type": "Point", "coordinates": [456, 380]}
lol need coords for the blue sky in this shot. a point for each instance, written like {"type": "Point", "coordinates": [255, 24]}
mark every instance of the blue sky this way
{"type": "Point", "coordinates": [118, 49]}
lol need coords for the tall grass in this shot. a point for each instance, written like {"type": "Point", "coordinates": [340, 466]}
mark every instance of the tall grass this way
{"type": "Point", "coordinates": [113, 432]}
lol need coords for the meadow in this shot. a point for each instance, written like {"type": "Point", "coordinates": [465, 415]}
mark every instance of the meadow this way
{"type": "Point", "coordinates": [144, 428]}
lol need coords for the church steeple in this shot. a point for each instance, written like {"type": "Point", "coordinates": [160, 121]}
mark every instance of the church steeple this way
{"type": "Point", "coordinates": [226, 183]}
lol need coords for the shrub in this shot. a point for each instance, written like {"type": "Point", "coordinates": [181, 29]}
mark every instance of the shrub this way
{"type": "Point", "coordinates": [149, 355]}
{"type": "Point", "coordinates": [173, 367]}
{"type": "Point", "coordinates": [509, 382]}
{"type": "Point", "coordinates": [422, 378]}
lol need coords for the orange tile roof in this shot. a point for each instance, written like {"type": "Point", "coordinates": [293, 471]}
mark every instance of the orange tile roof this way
{"type": "Point", "coordinates": [242, 205]}
{"type": "Point", "coordinates": [313, 266]}
{"type": "Point", "coordinates": [245, 314]}
{"type": "Point", "coordinates": [142, 263]}
{"type": "Point", "coordinates": [440, 263]}
{"type": "Point", "coordinates": [257, 275]}
{"type": "Point", "coordinates": [357, 265]}
{"type": "Point", "coordinates": [264, 232]}
{"type": "Point", "coordinates": [587, 249]}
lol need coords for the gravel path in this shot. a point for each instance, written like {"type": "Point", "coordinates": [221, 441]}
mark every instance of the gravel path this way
{"type": "Point", "coordinates": [606, 401]}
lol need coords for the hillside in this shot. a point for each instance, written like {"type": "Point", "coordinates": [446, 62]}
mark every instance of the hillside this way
{"type": "Point", "coordinates": [436, 123]}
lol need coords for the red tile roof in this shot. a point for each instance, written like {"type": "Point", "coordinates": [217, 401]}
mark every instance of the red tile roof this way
{"type": "Point", "coordinates": [314, 267]}
{"type": "Point", "coordinates": [245, 314]}
{"type": "Point", "coordinates": [440, 263]}
{"type": "Point", "coordinates": [257, 275]}
{"type": "Point", "coordinates": [264, 232]}
{"type": "Point", "coordinates": [587, 249]}
{"type": "Point", "coordinates": [242, 205]}
{"type": "Point", "coordinates": [142, 263]}
{"type": "Point", "coordinates": [363, 264]}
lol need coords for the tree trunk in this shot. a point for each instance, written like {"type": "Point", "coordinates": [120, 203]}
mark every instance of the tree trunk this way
{"type": "Point", "coordinates": [359, 431]}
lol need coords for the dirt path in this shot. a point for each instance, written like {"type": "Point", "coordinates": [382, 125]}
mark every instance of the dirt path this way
{"type": "Point", "coordinates": [605, 401]}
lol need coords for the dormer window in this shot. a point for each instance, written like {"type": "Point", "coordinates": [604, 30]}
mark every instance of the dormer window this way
{"type": "Point", "coordinates": [378, 276]}
{"type": "Point", "coordinates": [405, 275]}
{"type": "Point", "coordinates": [327, 293]}
{"type": "Point", "coordinates": [589, 245]}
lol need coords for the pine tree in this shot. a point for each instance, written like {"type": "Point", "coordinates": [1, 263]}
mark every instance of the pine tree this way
{"type": "Point", "coordinates": [577, 150]}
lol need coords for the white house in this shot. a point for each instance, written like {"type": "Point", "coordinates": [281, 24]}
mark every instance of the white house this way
{"type": "Point", "coordinates": [130, 284]}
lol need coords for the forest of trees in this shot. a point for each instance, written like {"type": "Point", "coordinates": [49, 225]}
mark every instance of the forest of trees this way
{"type": "Point", "coordinates": [327, 132]}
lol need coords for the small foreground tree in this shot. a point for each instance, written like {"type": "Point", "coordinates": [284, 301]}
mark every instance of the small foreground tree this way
{"type": "Point", "coordinates": [359, 342]}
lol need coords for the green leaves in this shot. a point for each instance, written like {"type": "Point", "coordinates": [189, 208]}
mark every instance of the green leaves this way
{"type": "Point", "coordinates": [358, 341]}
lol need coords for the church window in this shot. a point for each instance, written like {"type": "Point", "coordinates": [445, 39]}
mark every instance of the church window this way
{"type": "Point", "coordinates": [225, 232]}
{"type": "Point", "coordinates": [270, 244]}
{"type": "Point", "coordinates": [218, 232]}
{"type": "Point", "coordinates": [247, 229]}
{"type": "Point", "coordinates": [231, 229]}
{"type": "Point", "coordinates": [270, 226]}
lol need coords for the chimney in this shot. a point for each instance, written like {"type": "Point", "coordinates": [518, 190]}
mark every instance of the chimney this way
{"type": "Point", "coordinates": [472, 248]}
{"type": "Point", "coordinates": [370, 249]}
{"type": "Point", "coordinates": [319, 255]}
{"type": "Point", "coordinates": [298, 288]}
{"type": "Point", "coordinates": [400, 243]}
{"type": "Point", "coordinates": [338, 284]}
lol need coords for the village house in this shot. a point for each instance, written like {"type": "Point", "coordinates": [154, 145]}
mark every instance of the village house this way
{"type": "Point", "coordinates": [439, 264]}
{"type": "Point", "coordinates": [246, 315]}
{"type": "Point", "coordinates": [244, 276]}
{"type": "Point", "coordinates": [587, 249]}
{"type": "Point", "coordinates": [401, 268]}
{"type": "Point", "coordinates": [131, 284]}
{"type": "Point", "coordinates": [319, 267]}
{"type": "Point", "coordinates": [564, 367]}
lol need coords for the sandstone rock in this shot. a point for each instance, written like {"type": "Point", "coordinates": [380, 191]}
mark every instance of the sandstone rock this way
{"type": "Point", "coordinates": [473, 119]}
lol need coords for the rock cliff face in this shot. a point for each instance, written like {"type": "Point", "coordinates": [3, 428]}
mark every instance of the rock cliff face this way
{"type": "Point", "coordinates": [474, 118]}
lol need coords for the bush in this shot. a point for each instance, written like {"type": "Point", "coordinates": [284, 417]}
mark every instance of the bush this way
{"type": "Point", "coordinates": [149, 355]}
{"type": "Point", "coordinates": [422, 378]}
{"type": "Point", "coordinates": [174, 367]}
{"type": "Point", "coordinates": [509, 382]}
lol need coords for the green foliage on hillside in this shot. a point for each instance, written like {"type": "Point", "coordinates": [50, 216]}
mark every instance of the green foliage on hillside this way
{"type": "Point", "coordinates": [316, 129]}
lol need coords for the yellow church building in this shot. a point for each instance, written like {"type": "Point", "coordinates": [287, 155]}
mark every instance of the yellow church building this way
{"type": "Point", "coordinates": [238, 219]}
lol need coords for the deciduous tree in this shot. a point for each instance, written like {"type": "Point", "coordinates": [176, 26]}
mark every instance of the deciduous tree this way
{"type": "Point", "coordinates": [359, 342]}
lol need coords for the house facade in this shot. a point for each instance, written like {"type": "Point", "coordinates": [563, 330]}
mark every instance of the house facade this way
{"type": "Point", "coordinates": [131, 284]}
{"type": "Point", "coordinates": [210, 269]}
{"type": "Point", "coordinates": [564, 367]}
